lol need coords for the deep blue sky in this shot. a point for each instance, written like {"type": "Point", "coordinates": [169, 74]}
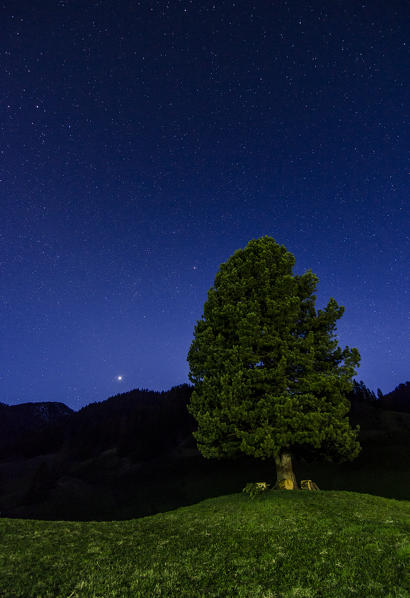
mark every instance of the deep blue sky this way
{"type": "Point", "coordinates": [142, 143]}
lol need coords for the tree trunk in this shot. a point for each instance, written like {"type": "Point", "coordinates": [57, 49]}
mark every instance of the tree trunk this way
{"type": "Point", "coordinates": [285, 478]}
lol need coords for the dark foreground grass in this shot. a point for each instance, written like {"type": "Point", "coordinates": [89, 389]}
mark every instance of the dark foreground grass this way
{"type": "Point", "coordinates": [282, 544]}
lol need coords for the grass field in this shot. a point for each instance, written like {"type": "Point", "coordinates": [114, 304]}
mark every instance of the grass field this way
{"type": "Point", "coordinates": [282, 544]}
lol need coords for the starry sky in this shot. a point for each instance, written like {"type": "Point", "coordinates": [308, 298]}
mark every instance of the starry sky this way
{"type": "Point", "coordinates": [142, 143]}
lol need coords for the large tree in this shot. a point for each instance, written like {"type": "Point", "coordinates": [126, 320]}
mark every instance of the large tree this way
{"type": "Point", "coordinates": [269, 378]}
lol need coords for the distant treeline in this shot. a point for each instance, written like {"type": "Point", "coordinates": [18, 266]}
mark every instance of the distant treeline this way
{"type": "Point", "coordinates": [140, 424]}
{"type": "Point", "coordinates": [397, 400]}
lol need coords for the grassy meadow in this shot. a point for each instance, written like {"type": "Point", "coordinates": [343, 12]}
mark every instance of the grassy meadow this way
{"type": "Point", "coordinates": [281, 544]}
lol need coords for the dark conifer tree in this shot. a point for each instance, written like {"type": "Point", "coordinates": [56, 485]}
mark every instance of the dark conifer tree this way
{"type": "Point", "coordinates": [269, 377]}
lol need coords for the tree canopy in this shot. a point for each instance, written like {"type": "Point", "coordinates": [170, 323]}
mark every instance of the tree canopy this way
{"type": "Point", "coordinates": [267, 370]}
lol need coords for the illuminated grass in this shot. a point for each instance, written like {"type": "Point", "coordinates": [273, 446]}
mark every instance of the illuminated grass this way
{"type": "Point", "coordinates": [281, 544]}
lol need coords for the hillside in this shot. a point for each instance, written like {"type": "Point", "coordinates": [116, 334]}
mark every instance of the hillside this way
{"type": "Point", "coordinates": [134, 455]}
{"type": "Point", "coordinates": [19, 421]}
{"type": "Point", "coordinates": [112, 486]}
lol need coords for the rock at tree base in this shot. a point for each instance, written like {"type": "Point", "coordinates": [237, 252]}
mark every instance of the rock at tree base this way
{"type": "Point", "coordinates": [308, 485]}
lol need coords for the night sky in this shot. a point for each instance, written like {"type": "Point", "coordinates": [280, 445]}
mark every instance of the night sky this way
{"type": "Point", "coordinates": [142, 143]}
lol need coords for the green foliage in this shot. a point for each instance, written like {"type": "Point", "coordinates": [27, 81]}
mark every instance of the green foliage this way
{"type": "Point", "coordinates": [327, 544]}
{"type": "Point", "coordinates": [266, 366]}
{"type": "Point", "coordinates": [255, 489]}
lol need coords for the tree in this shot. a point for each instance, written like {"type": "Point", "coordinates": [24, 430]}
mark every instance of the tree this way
{"type": "Point", "coordinates": [269, 378]}
{"type": "Point", "coordinates": [360, 392]}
